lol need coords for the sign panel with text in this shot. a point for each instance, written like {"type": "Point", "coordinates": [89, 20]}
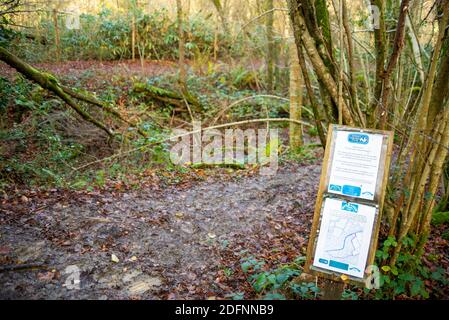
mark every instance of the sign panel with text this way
{"type": "Point", "coordinates": [355, 164]}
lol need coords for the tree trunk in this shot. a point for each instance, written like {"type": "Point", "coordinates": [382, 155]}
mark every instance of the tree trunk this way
{"type": "Point", "coordinates": [222, 15]}
{"type": "Point", "coordinates": [441, 92]}
{"type": "Point", "coordinates": [270, 58]}
{"type": "Point", "coordinates": [296, 92]}
{"type": "Point", "coordinates": [303, 38]}
{"type": "Point", "coordinates": [57, 37]}
{"type": "Point", "coordinates": [181, 47]}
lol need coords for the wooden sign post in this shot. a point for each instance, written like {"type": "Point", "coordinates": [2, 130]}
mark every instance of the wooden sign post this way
{"type": "Point", "coordinates": [345, 228]}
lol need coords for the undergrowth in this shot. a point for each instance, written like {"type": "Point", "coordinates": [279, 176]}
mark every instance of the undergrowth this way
{"type": "Point", "coordinates": [42, 143]}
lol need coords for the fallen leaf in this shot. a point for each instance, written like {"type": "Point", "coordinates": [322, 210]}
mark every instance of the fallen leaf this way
{"type": "Point", "coordinates": [139, 287]}
{"type": "Point", "coordinates": [4, 250]}
{"type": "Point", "coordinates": [46, 276]}
{"type": "Point", "coordinates": [211, 235]}
{"type": "Point", "coordinates": [114, 258]}
{"type": "Point", "coordinates": [171, 296]}
{"type": "Point", "coordinates": [179, 215]}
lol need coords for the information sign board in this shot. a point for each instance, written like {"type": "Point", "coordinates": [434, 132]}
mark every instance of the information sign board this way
{"type": "Point", "coordinates": [346, 221]}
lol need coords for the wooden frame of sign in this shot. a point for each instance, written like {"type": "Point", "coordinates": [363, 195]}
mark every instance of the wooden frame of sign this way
{"type": "Point", "coordinates": [377, 201]}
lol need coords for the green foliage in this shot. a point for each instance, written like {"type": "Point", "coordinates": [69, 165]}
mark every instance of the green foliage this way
{"type": "Point", "coordinates": [313, 131]}
{"type": "Point", "coordinates": [40, 150]}
{"type": "Point", "coordinates": [304, 154]}
{"type": "Point", "coordinates": [408, 276]}
{"type": "Point", "coordinates": [277, 284]}
{"type": "Point", "coordinates": [349, 295]}
{"type": "Point", "coordinates": [445, 235]}
{"type": "Point", "coordinates": [236, 296]}
{"type": "Point", "coordinates": [439, 218]}
{"type": "Point", "coordinates": [6, 34]}
{"type": "Point", "coordinates": [6, 91]}
{"type": "Point", "coordinates": [240, 77]}
{"type": "Point", "coordinates": [305, 290]}
{"type": "Point", "coordinates": [107, 36]}
{"type": "Point", "coordinates": [26, 101]}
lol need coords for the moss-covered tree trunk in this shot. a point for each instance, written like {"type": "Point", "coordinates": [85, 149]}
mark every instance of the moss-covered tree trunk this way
{"type": "Point", "coordinates": [315, 52]}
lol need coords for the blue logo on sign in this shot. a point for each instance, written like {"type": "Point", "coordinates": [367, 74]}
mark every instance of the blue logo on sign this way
{"type": "Point", "coordinates": [334, 187]}
{"type": "Point", "coordinates": [354, 268]}
{"type": "Point", "coordinates": [358, 138]}
{"type": "Point", "coordinates": [351, 207]}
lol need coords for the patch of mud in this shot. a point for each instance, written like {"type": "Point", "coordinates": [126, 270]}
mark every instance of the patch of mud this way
{"type": "Point", "coordinates": [169, 242]}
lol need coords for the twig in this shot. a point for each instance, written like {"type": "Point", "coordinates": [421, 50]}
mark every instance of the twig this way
{"type": "Point", "coordinates": [23, 267]}
{"type": "Point", "coordinates": [260, 16]}
{"type": "Point", "coordinates": [221, 113]}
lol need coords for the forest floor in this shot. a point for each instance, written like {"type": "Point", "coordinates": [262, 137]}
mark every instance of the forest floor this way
{"type": "Point", "coordinates": [171, 242]}
{"type": "Point", "coordinates": [101, 70]}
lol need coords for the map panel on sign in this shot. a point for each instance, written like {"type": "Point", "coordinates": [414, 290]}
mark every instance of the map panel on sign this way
{"type": "Point", "coordinates": [344, 237]}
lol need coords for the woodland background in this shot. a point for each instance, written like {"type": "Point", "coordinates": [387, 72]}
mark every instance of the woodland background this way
{"type": "Point", "coordinates": [87, 106]}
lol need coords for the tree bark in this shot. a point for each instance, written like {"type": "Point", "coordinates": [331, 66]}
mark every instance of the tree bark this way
{"type": "Point", "coordinates": [222, 15]}
{"type": "Point", "coordinates": [270, 58]}
{"type": "Point", "coordinates": [181, 46]}
{"type": "Point", "coordinates": [303, 38]}
{"type": "Point", "coordinates": [397, 49]}
{"type": "Point", "coordinates": [313, 101]}
{"type": "Point", "coordinates": [296, 93]}
{"type": "Point", "coordinates": [57, 38]}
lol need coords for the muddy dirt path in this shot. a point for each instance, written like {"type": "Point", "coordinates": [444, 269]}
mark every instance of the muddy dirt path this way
{"type": "Point", "coordinates": [170, 243]}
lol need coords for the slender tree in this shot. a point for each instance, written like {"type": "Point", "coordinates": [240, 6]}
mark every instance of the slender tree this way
{"type": "Point", "coordinates": [181, 45]}
{"type": "Point", "coordinates": [270, 44]}
{"type": "Point", "coordinates": [222, 14]}
{"type": "Point", "coordinates": [296, 93]}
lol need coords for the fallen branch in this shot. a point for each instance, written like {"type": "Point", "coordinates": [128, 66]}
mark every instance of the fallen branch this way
{"type": "Point", "coordinates": [122, 154]}
{"type": "Point", "coordinates": [49, 82]}
{"type": "Point", "coordinates": [166, 96]}
{"type": "Point", "coordinates": [92, 100]}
